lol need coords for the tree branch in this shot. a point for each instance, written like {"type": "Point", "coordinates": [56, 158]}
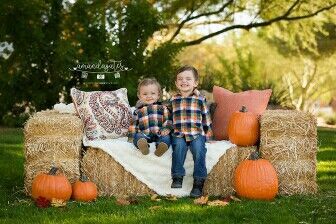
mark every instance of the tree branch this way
{"type": "Point", "coordinates": [189, 17]}
{"type": "Point", "coordinates": [283, 17]}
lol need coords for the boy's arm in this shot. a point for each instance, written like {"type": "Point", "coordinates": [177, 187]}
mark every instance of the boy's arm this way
{"type": "Point", "coordinates": [167, 126]}
{"type": "Point", "coordinates": [133, 128]}
{"type": "Point", "coordinates": [206, 121]}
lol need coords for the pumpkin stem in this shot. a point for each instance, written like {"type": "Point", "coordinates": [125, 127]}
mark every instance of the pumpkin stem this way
{"type": "Point", "coordinates": [53, 171]}
{"type": "Point", "coordinates": [255, 155]}
{"type": "Point", "coordinates": [243, 109]}
{"type": "Point", "coordinates": [84, 178]}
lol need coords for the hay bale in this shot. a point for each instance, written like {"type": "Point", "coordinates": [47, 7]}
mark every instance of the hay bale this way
{"type": "Point", "coordinates": [69, 167]}
{"type": "Point", "coordinates": [51, 122]}
{"type": "Point", "coordinates": [57, 147]}
{"type": "Point", "coordinates": [288, 148]}
{"type": "Point", "coordinates": [52, 139]}
{"type": "Point", "coordinates": [220, 180]}
{"type": "Point", "coordinates": [288, 139]}
{"type": "Point", "coordinates": [245, 152]}
{"type": "Point", "coordinates": [277, 123]}
{"type": "Point", "coordinates": [297, 187]}
{"type": "Point", "coordinates": [111, 178]}
{"type": "Point", "coordinates": [296, 170]}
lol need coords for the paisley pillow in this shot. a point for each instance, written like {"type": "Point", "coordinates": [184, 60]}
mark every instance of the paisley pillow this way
{"type": "Point", "coordinates": [105, 114]}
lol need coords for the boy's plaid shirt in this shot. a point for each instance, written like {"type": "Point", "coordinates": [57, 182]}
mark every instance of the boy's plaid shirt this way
{"type": "Point", "coordinates": [150, 119]}
{"type": "Point", "coordinates": [190, 117]}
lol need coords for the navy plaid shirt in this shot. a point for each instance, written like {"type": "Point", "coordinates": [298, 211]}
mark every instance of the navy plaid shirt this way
{"type": "Point", "coordinates": [150, 119]}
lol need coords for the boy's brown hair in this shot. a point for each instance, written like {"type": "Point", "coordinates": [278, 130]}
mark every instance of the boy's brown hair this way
{"type": "Point", "coordinates": [187, 68]}
{"type": "Point", "coordinates": [147, 82]}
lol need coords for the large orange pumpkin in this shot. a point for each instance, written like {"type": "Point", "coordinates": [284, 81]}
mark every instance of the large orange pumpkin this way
{"type": "Point", "coordinates": [84, 190]}
{"type": "Point", "coordinates": [243, 128]}
{"type": "Point", "coordinates": [51, 186]}
{"type": "Point", "coordinates": [256, 178]}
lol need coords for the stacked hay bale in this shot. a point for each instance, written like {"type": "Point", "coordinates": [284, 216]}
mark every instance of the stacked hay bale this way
{"type": "Point", "coordinates": [289, 141]}
{"type": "Point", "coordinates": [52, 139]}
{"type": "Point", "coordinates": [113, 180]}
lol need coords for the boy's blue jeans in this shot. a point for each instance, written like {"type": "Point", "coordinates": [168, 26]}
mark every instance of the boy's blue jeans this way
{"type": "Point", "coordinates": [152, 138]}
{"type": "Point", "coordinates": [198, 150]}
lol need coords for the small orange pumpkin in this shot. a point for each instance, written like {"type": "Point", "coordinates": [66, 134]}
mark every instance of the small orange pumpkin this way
{"type": "Point", "coordinates": [256, 178]}
{"type": "Point", "coordinates": [84, 190]}
{"type": "Point", "coordinates": [51, 186]}
{"type": "Point", "coordinates": [243, 128]}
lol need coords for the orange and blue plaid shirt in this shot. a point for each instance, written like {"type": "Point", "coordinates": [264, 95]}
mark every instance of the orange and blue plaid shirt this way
{"type": "Point", "coordinates": [150, 119]}
{"type": "Point", "coordinates": [190, 117]}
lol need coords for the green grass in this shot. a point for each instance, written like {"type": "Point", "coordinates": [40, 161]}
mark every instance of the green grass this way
{"type": "Point", "coordinates": [15, 207]}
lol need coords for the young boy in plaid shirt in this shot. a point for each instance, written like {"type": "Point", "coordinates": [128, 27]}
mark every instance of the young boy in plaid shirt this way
{"type": "Point", "coordinates": [191, 128]}
{"type": "Point", "coordinates": [151, 119]}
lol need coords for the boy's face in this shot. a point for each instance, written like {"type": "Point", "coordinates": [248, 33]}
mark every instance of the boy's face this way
{"type": "Point", "coordinates": [149, 94]}
{"type": "Point", "coordinates": [185, 82]}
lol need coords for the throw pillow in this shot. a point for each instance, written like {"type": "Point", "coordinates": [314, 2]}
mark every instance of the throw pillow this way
{"type": "Point", "coordinates": [105, 114]}
{"type": "Point", "coordinates": [228, 102]}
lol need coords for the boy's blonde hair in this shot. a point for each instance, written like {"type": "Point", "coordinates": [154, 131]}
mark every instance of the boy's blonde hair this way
{"type": "Point", "coordinates": [147, 82]}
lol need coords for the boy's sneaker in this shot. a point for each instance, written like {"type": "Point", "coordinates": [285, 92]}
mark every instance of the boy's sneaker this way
{"type": "Point", "coordinates": [143, 146]}
{"type": "Point", "coordinates": [177, 182]}
{"type": "Point", "coordinates": [197, 188]}
{"type": "Point", "coordinates": [161, 148]}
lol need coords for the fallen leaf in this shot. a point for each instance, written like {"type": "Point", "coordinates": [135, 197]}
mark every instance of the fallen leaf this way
{"type": "Point", "coordinates": [227, 199]}
{"type": "Point", "coordinates": [170, 197]}
{"type": "Point", "coordinates": [42, 202]}
{"type": "Point", "coordinates": [132, 200]}
{"type": "Point", "coordinates": [201, 200]}
{"type": "Point", "coordinates": [155, 207]}
{"type": "Point", "coordinates": [58, 202]}
{"type": "Point", "coordinates": [155, 197]}
{"type": "Point", "coordinates": [122, 201]}
{"type": "Point", "coordinates": [217, 203]}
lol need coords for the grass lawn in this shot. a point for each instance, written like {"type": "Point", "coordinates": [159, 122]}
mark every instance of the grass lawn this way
{"type": "Point", "coordinates": [15, 207]}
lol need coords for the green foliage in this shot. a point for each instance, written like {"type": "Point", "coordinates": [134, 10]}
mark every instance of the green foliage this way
{"type": "Point", "coordinates": [51, 36]}
{"type": "Point", "coordinates": [245, 72]}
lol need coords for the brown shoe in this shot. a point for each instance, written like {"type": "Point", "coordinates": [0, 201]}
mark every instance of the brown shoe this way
{"type": "Point", "coordinates": [161, 148]}
{"type": "Point", "coordinates": [143, 146]}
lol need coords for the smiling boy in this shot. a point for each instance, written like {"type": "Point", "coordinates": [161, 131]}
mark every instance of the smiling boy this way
{"type": "Point", "coordinates": [191, 128]}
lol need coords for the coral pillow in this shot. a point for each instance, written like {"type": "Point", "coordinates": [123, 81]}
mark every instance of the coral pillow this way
{"type": "Point", "coordinates": [228, 102]}
{"type": "Point", "coordinates": [105, 114]}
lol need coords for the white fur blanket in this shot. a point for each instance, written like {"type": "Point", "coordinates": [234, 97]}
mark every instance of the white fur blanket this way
{"type": "Point", "coordinates": [155, 171]}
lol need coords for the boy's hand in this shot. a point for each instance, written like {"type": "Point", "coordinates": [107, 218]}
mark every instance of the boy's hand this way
{"type": "Point", "coordinates": [165, 132]}
{"type": "Point", "coordinates": [130, 139]}
{"type": "Point", "coordinates": [196, 92]}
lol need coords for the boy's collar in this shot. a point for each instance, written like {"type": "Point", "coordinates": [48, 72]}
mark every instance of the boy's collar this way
{"type": "Point", "coordinates": [191, 94]}
{"type": "Point", "coordinates": [140, 104]}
